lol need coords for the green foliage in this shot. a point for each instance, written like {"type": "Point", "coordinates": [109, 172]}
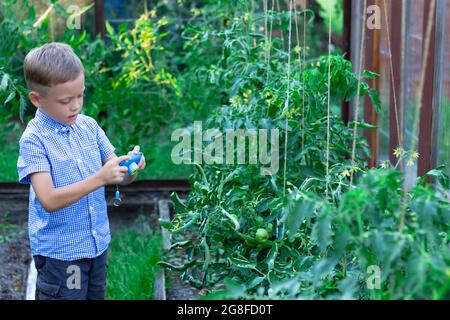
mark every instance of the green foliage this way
{"type": "Point", "coordinates": [332, 9]}
{"type": "Point", "coordinates": [317, 248]}
{"type": "Point", "coordinates": [131, 85]}
{"type": "Point", "coordinates": [340, 245]}
{"type": "Point", "coordinates": [132, 264]}
{"type": "Point", "coordinates": [147, 78]}
{"type": "Point", "coordinates": [133, 80]}
{"type": "Point", "coordinates": [205, 59]}
{"type": "Point", "coordinates": [227, 199]}
{"type": "Point", "coordinates": [20, 32]}
{"type": "Point", "coordinates": [18, 36]}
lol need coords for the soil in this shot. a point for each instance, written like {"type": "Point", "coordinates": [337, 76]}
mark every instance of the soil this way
{"type": "Point", "coordinates": [177, 289]}
{"type": "Point", "coordinates": [14, 257]}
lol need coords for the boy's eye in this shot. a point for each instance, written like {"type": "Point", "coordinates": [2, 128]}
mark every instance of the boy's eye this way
{"type": "Point", "coordinates": [64, 101]}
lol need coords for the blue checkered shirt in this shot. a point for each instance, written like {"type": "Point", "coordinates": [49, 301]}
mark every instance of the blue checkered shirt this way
{"type": "Point", "coordinates": [70, 154]}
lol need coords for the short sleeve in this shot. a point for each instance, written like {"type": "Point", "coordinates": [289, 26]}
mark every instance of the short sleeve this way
{"type": "Point", "coordinates": [105, 146]}
{"type": "Point", "coordinates": [32, 158]}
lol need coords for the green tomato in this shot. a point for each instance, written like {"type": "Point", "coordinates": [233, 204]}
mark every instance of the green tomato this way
{"type": "Point", "coordinates": [261, 235]}
{"type": "Point", "coordinates": [259, 221]}
{"type": "Point", "coordinates": [270, 227]}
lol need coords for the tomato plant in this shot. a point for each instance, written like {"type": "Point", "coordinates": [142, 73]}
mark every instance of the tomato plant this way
{"type": "Point", "coordinates": [226, 201]}
{"type": "Point", "coordinates": [246, 231]}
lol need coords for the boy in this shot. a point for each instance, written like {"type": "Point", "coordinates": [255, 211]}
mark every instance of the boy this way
{"type": "Point", "coordinates": [68, 160]}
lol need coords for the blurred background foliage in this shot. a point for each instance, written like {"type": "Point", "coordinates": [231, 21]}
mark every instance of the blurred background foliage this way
{"type": "Point", "coordinates": [156, 69]}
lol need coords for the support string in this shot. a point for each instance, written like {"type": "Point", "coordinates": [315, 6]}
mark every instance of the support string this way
{"type": "Point", "coordinates": [327, 178]}
{"type": "Point", "coordinates": [286, 107]}
{"type": "Point", "coordinates": [356, 111]}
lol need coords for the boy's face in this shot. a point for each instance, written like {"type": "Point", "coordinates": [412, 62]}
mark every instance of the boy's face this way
{"type": "Point", "coordinates": [62, 102]}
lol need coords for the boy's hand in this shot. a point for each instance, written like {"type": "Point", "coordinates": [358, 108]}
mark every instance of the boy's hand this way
{"type": "Point", "coordinates": [111, 172]}
{"type": "Point", "coordinates": [141, 163]}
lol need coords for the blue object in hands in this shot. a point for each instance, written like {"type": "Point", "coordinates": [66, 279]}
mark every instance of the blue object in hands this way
{"type": "Point", "coordinates": [132, 164]}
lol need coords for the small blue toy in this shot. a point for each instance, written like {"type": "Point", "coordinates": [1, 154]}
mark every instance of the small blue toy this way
{"type": "Point", "coordinates": [132, 164]}
{"type": "Point", "coordinates": [133, 169]}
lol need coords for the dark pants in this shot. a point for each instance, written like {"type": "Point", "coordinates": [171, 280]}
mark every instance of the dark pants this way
{"type": "Point", "coordinates": [83, 279]}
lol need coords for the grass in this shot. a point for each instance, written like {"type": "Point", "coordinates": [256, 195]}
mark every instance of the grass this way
{"type": "Point", "coordinates": [8, 230]}
{"type": "Point", "coordinates": [132, 264]}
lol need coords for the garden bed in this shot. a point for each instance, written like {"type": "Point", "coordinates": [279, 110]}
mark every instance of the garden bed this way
{"type": "Point", "coordinates": [14, 244]}
{"type": "Point", "coordinates": [169, 285]}
{"type": "Point", "coordinates": [15, 256]}
{"type": "Point", "coordinates": [178, 290]}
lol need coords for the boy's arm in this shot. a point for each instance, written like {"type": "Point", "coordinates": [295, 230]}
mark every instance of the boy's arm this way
{"type": "Point", "coordinates": [53, 199]}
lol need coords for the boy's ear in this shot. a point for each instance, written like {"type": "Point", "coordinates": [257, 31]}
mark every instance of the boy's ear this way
{"type": "Point", "coordinates": [35, 98]}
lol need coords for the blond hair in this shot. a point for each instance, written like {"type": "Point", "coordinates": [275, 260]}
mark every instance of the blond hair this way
{"type": "Point", "coordinates": [49, 65]}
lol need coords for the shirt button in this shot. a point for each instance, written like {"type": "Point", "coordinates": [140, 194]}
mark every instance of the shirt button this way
{"type": "Point", "coordinates": [56, 130]}
{"type": "Point", "coordinates": [94, 232]}
{"type": "Point", "coordinates": [91, 208]}
{"type": "Point", "coordinates": [79, 161]}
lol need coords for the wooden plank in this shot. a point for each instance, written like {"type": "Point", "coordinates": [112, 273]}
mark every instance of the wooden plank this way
{"type": "Point", "coordinates": [160, 285]}
{"type": "Point", "coordinates": [163, 206]}
{"type": "Point", "coordinates": [11, 188]}
{"type": "Point", "coordinates": [426, 114]}
{"type": "Point", "coordinates": [347, 41]}
{"type": "Point", "coordinates": [160, 282]}
{"type": "Point", "coordinates": [442, 12]}
{"type": "Point", "coordinates": [99, 16]}
{"type": "Point", "coordinates": [30, 289]}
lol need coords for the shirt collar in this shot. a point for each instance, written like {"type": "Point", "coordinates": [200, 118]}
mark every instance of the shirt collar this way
{"type": "Point", "coordinates": [51, 123]}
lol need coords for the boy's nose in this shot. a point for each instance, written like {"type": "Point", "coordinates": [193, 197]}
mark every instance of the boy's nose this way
{"type": "Point", "coordinates": [76, 106]}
